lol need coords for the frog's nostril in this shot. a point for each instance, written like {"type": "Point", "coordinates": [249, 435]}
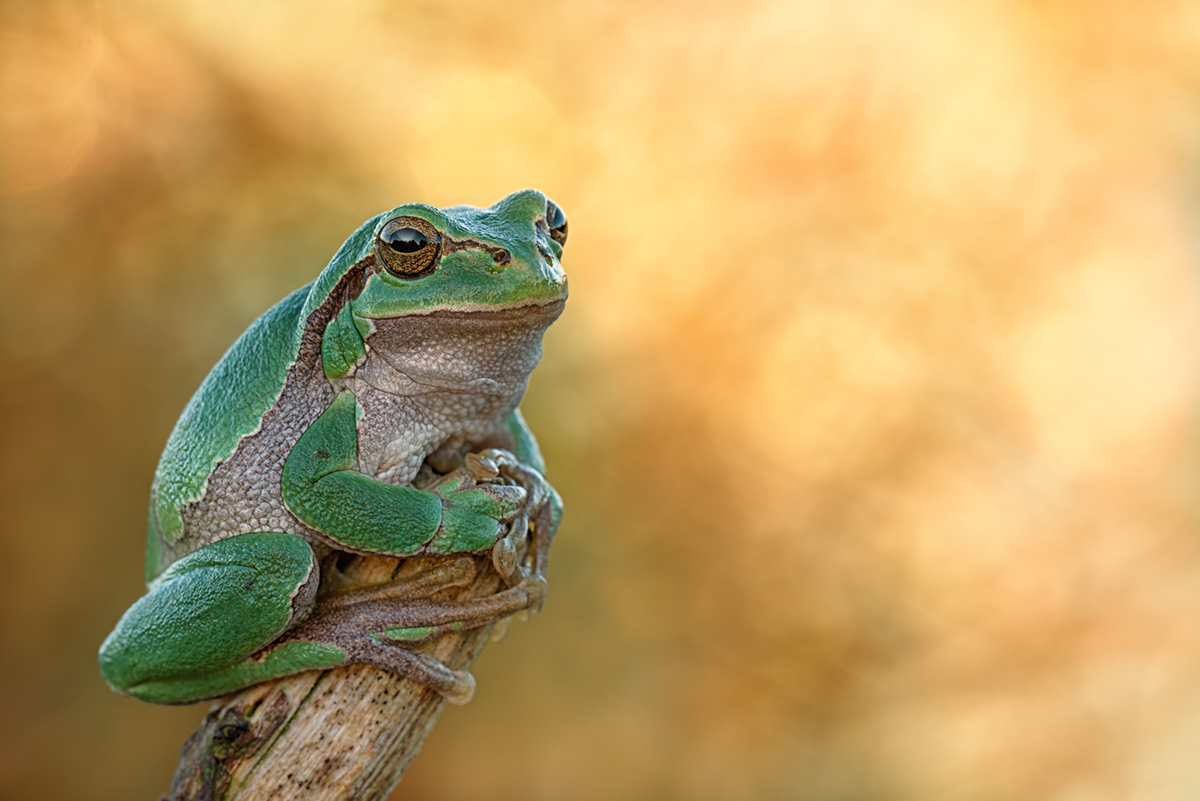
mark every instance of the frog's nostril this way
{"type": "Point", "coordinates": [501, 256]}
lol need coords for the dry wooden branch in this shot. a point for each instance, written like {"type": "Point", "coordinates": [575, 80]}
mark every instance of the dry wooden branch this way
{"type": "Point", "coordinates": [347, 733]}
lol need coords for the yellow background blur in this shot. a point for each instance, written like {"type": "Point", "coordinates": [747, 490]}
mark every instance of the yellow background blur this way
{"type": "Point", "coordinates": [874, 406]}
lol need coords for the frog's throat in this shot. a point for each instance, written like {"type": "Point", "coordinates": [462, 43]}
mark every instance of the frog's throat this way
{"type": "Point", "coordinates": [489, 352]}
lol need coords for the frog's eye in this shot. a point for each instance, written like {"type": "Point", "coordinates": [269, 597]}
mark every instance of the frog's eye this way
{"type": "Point", "coordinates": [409, 247]}
{"type": "Point", "coordinates": [556, 221]}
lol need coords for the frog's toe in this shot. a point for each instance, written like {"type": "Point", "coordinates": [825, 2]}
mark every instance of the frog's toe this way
{"type": "Point", "coordinates": [463, 690]}
{"type": "Point", "coordinates": [504, 557]}
{"type": "Point", "coordinates": [509, 499]}
{"type": "Point", "coordinates": [482, 467]}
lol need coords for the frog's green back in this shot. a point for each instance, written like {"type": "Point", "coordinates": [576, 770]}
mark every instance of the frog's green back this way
{"type": "Point", "coordinates": [242, 386]}
{"type": "Point", "coordinates": [230, 403]}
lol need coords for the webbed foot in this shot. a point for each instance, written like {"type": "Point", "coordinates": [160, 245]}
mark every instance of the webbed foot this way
{"type": "Point", "coordinates": [533, 516]}
{"type": "Point", "coordinates": [370, 626]}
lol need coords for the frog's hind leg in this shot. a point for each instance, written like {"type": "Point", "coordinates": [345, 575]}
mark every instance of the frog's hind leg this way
{"type": "Point", "coordinates": [192, 635]}
{"type": "Point", "coordinates": [380, 624]}
{"type": "Point", "coordinates": [356, 640]}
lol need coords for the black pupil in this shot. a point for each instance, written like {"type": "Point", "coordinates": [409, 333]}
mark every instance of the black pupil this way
{"type": "Point", "coordinates": [406, 240]}
{"type": "Point", "coordinates": [554, 216]}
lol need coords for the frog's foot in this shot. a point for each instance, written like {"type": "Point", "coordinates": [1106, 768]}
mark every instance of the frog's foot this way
{"type": "Point", "coordinates": [457, 686]}
{"type": "Point", "coordinates": [374, 629]}
{"type": "Point", "coordinates": [533, 515]}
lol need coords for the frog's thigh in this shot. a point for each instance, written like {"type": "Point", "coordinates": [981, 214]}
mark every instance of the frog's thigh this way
{"type": "Point", "coordinates": [208, 612]}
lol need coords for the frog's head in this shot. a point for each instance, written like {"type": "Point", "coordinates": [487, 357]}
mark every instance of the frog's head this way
{"type": "Point", "coordinates": [463, 258]}
{"type": "Point", "coordinates": [456, 296]}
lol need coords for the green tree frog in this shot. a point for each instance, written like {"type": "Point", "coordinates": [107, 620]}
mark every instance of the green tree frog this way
{"type": "Point", "coordinates": [373, 411]}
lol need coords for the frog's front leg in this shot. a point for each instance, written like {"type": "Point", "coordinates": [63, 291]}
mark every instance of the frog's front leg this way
{"type": "Point", "coordinates": [358, 513]}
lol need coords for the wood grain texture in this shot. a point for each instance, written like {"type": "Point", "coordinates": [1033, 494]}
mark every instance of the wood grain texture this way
{"type": "Point", "coordinates": [346, 733]}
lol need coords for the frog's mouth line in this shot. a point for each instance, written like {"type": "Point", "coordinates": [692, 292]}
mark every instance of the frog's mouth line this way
{"type": "Point", "coordinates": [551, 310]}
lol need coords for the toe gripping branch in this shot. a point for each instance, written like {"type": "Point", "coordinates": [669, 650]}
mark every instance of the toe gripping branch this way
{"type": "Point", "coordinates": [515, 565]}
{"type": "Point", "coordinates": [382, 624]}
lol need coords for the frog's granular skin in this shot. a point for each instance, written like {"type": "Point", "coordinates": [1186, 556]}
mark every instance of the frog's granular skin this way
{"type": "Point", "coordinates": [442, 380]}
{"type": "Point", "coordinates": [243, 493]}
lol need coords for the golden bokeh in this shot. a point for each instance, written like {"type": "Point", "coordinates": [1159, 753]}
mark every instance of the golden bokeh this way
{"type": "Point", "coordinates": [875, 405]}
{"type": "Point", "coordinates": [476, 140]}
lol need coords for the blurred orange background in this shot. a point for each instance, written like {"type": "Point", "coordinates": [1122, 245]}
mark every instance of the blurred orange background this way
{"type": "Point", "coordinates": [874, 406]}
